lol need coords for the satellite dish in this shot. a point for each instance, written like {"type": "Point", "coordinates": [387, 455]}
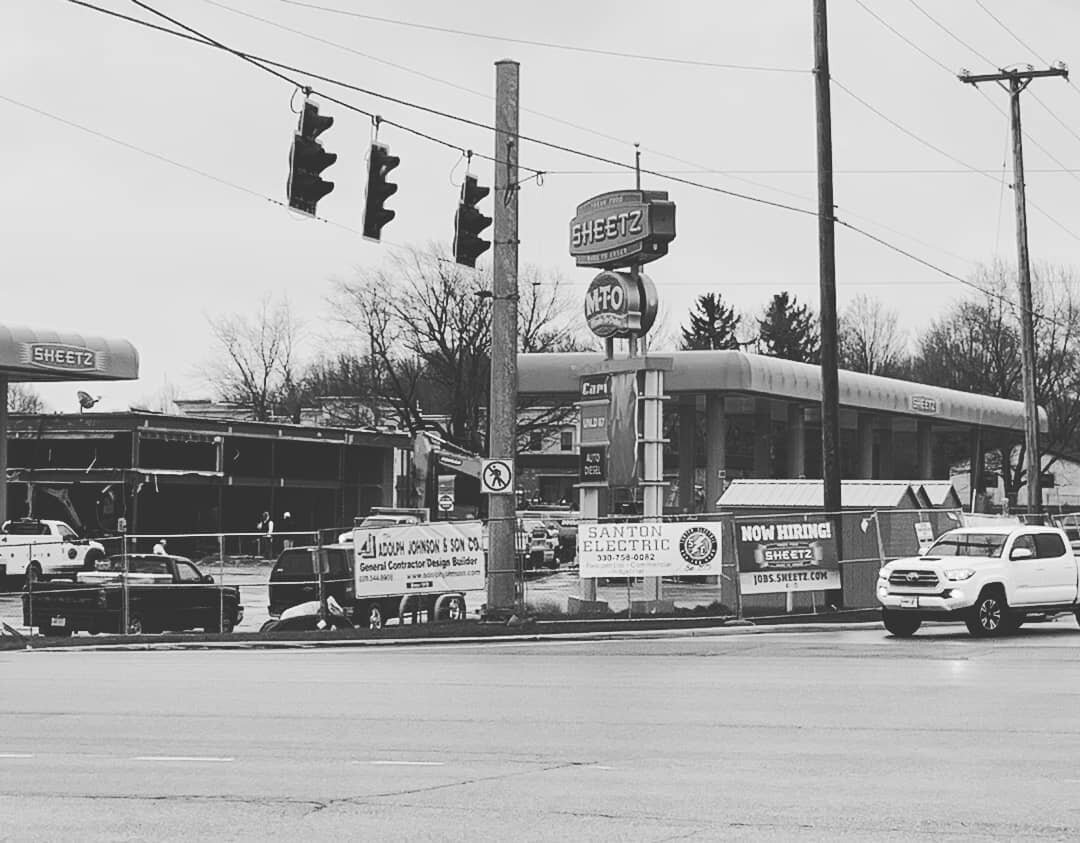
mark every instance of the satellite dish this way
{"type": "Point", "coordinates": [86, 400]}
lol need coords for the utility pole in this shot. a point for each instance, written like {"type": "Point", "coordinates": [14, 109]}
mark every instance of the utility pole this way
{"type": "Point", "coordinates": [503, 594]}
{"type": "Point", "coordinates": [1018, 80]}
{"type": "Point", "coordinates": [830, 388]}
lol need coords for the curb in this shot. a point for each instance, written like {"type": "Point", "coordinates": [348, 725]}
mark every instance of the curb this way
{"type": "Point", "coordinates": [148, 643]}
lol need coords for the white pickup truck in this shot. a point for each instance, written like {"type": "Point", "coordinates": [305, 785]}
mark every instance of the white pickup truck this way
{"type": "Point", "coordinates": [39, 549]}
{"type": "Point", "coordinates": [991, 578]}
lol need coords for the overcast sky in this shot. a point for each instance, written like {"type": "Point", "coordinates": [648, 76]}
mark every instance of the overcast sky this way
{"type": "Point", "coordinates": [102, 238]}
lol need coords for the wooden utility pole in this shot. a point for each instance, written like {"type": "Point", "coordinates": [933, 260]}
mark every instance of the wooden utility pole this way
{"type": "Point", "coordinates": [830, 388]}
{"type": "Point", "coordinates": [504, 596]}
{"type": "Point", "coordinates": [1018, 80]}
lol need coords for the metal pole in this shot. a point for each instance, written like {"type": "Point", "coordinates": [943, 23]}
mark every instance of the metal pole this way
{"type": "Point", "coordinates": [125, 614]}
{"type": "Point", "coordinates": [1018, 80]}
{"type": "Point", "coordinates": [1027, 328]}
{"type": "Point", "coordinates": [221, 580]}
{"type": "Point", "coordinates": [504, 593]}
{"type": "Point", "coordinates": [830, 390]}
{"type": "Point", "coordinates": [3, 447]}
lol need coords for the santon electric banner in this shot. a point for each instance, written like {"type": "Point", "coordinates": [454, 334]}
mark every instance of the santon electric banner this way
{"type": "Point", "coordinates": [683, 549]}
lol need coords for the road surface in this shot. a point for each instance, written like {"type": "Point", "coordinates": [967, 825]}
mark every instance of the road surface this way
{"type": "Point", "coordinates": [779, 736]}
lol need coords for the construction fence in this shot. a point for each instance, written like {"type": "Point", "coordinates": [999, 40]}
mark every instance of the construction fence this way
{"type": "Point", "coordinates": [765, 564]}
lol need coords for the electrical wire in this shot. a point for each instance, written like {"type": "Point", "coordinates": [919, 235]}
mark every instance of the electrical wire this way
{"type": "Point", "coordinates": [537, 174]}
{"type": "Point", "coordinates": [1015, 37]}
{"type": "Point", "coordinates": [601, 159]}
{"type": "Point", "coordinates": [1046, 215]}
{"type": "Point", "coordinates": [540, 142]}
{"type": "Point", "coordinates": [1023, 44]}
{"type": "Point", "coordinates": [489, 97]}
{"type": "Point", "coordinates": [549, 44]}
{"type": "Point", "coordinates": [953, 35]}
{"type": "Point", "coordinates": [185, 167]}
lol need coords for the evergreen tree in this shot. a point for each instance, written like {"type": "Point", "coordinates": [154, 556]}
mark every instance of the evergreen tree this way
{"type": "Point", "coordinates": [712, 325]}
{"type": "Point", "coordinates": [789, 330]}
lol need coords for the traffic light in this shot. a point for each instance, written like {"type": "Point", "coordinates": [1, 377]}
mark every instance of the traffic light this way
{"type": "Point", "coordinates": [380, 162]}
{"type": "Point", "coordinates": [308, 159]}
{"type": "Point", "coordinates": [469, 222]}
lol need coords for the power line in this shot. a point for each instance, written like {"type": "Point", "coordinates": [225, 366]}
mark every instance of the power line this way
{"type": "Point", "coordinates": [548, 44]}
{"type": "Point", "coordinates": [952, 34]}
{"type": "Point", "coordinates": [1015, 37]}
{"type": "Point", "coordinates": [465, 89]}
{"type": "Point", "coordinates": [204, 174]}
{"type": "Point", "coordinates": [1046, 215]}
{"type": "Point", "coordinates": [206, 41]}
{"type": "Point", "coordinates": [540, 142]}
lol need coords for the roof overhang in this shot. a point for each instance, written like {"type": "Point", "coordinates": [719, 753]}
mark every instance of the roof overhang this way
{"type": "Point", "coordinates": [701, 372]}
{"type": "Point", "coordinates": [36, 354]}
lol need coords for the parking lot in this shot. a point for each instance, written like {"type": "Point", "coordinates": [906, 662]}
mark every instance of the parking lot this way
{"type": "Point", "coordinates": [545, 592]}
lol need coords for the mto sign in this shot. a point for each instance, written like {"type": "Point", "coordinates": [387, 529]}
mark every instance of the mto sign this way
{"type": "Point", "coordinates": [618, 305]}
{"type": "Point", "coordinates": [622, 228]}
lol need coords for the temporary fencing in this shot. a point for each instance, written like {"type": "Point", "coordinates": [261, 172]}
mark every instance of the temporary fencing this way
{"type": "Point", "coordinates": [862, 541]}
{"type": "Point", "coordinates": [234, 560]}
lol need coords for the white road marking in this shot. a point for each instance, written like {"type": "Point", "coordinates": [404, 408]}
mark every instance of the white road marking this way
{"type": "Point", "coordinates": [210, 758]}
{"type": "Point", "coordinates": [404, 763]}
{"type": "Point", "coordinates": [15, 755]}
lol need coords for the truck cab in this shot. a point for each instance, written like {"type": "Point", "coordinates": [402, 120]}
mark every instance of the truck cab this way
{"type": "Point", "coordinates": [41, 549]}
{"type": "Point", "coordinates": [990, 578]}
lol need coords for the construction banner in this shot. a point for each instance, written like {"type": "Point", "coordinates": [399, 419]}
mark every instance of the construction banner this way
{"type": "Point", "coordinates": [778, 554]}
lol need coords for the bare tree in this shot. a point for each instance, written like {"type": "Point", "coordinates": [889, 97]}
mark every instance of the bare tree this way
{"type": "Point", "coordinates": [975, 347]}
{"type": "Point", "coordinates": [423, 323]}
{"type": "Point", "coordinates": [24, 399]}
{"type": "Point", "coordinates": [871, 340]}
{"type": "Point", "coordinates": [254, 364]}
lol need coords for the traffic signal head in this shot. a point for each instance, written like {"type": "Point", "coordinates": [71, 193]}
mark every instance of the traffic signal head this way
{"type": "Point", "coordinates": [308, 159]}
{"type": "Point", "coordinates": [469, 222]}
{"type": "Point", "coordinates": [380, 163]}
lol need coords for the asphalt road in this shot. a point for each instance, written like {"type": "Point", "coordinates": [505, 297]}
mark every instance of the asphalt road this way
{"type": "Point", "coordinates": [778, 736]}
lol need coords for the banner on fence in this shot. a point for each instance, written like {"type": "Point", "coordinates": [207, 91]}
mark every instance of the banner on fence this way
{"type": "Point", "coordinates": [777, 554]}
{"type": "Point", "coordinates": [420, 558]}
{"type": "Point", "coordinates": [686, 548]}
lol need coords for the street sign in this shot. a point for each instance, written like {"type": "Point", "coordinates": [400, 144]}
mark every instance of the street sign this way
{"type": "Point", "coordinates": [497, 477]}
{"type": "Point", "coordinates": [446, 503]}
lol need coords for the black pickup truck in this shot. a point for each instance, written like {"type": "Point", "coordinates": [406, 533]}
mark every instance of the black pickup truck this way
{"type": "Point", "coordinates": [164, 593]}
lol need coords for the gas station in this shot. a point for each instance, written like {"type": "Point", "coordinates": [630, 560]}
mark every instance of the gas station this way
{"type": "Point", "coordinates": [735, 414]}
{"type": "Point", "coordinates": [36, 355]}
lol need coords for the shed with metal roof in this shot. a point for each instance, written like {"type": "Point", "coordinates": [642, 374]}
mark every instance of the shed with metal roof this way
{"type": "Point", "coordinates": [778, 495]}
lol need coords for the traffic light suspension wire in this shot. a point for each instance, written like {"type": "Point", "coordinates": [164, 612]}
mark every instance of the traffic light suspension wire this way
{"type": "Point", "coordinates": [264, 64]}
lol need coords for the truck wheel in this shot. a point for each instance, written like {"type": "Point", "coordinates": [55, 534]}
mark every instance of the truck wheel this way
{"type": "Point", "coordinates": [455, 609]}
{"type": "Point", "coordinates": [91, 560]}
{"type": "Point", "coordinates": [226, 625]}
{"type": "Point", "coordinates": [375, 618]}
{"type": "Point", "coordinates": [135, 625]}
{"type": "Point", "coordinates": [989, 616]}
{"type": "Point", "coordinates": [33, 573]}
{"type": "Point", "coordinates": [900, 624]}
